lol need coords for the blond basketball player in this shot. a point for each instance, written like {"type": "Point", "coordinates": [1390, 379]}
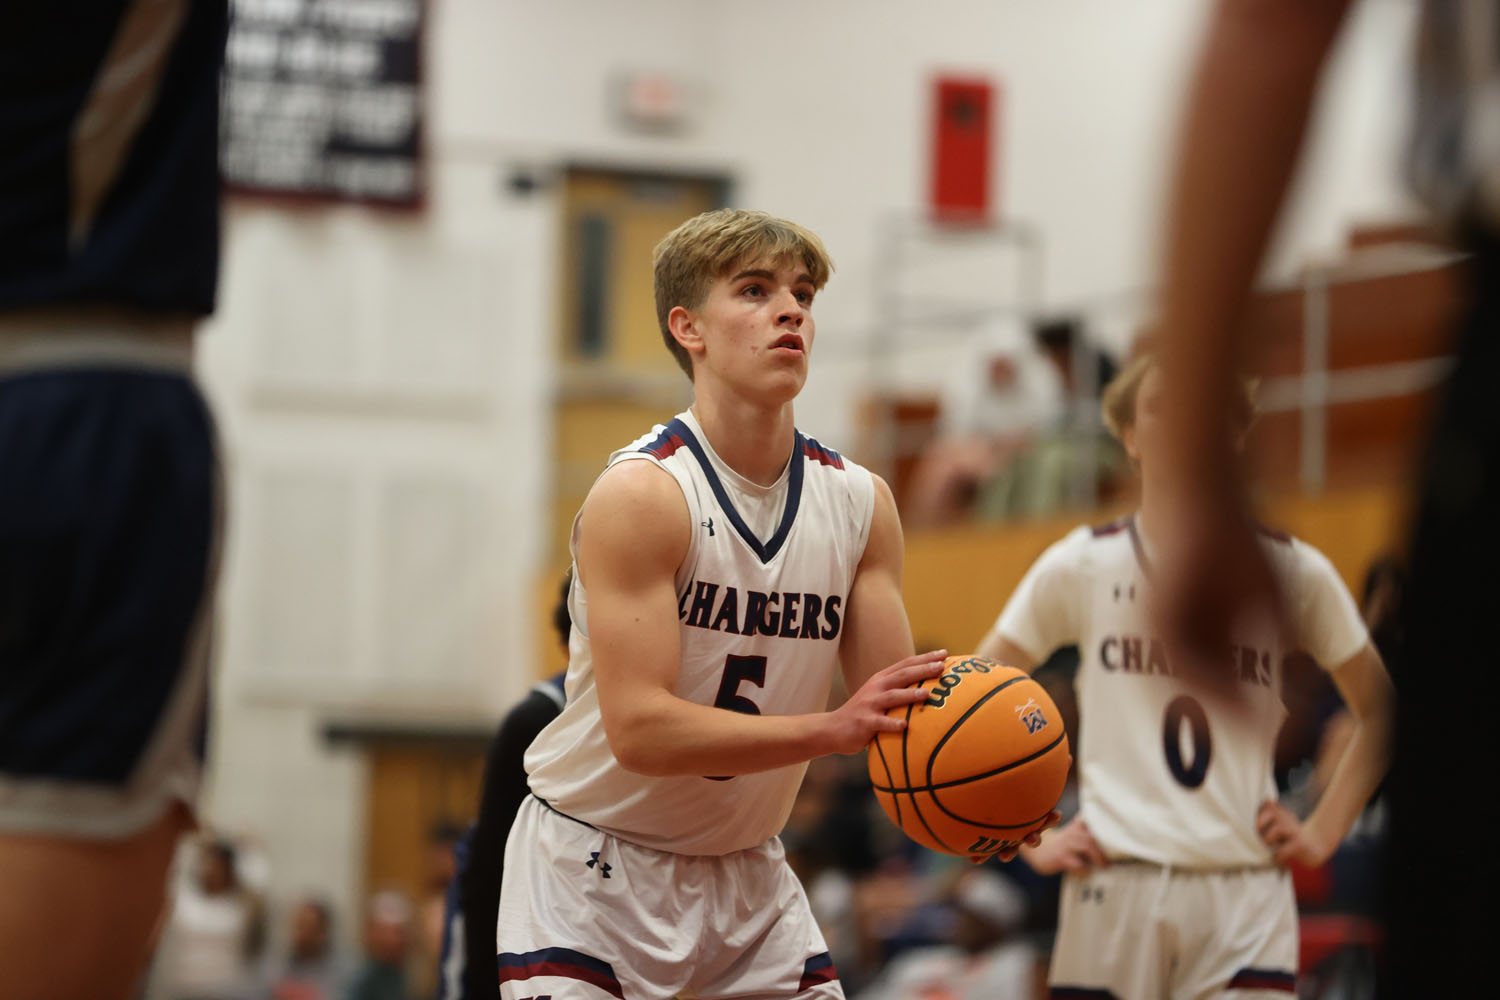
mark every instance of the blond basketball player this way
{"type": "Point", "coordinates": [725, 564]}
{"type": "Point", "coordinates": [1175, 884]}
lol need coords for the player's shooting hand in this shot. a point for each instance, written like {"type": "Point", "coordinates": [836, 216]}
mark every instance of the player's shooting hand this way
{"type": "Point", "coordinates": [854, 723]}
{"type": "Point", "coordinates": [1070, 849]}
{"type": "Point", "coordinates": [1288, 837]}
{"type": "Point", "coordinates": [1031, 840]}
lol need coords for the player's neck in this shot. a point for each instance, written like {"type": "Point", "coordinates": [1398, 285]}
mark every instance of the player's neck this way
{"type": "Point", "coordinates": [752, 440]}
{"type": "Point", "coordinates": [1148, 514]}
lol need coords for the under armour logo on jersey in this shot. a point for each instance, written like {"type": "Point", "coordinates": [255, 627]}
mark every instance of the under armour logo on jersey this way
{"type": "Point", "coordinates": [593, 860]}
{"type": "Point", "coordinates": [709, 524]}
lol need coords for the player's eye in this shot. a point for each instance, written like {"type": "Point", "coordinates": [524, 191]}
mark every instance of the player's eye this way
{"type": "Point", "coordinates": [754, 290]}
{"type": "Point", "coordinates": [805, 297]}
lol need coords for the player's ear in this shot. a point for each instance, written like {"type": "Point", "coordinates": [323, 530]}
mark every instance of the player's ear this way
{"type": "Point", "coordinates": [683, 326]}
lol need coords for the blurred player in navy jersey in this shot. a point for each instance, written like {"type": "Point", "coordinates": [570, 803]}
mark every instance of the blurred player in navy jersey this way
{"type": "Point", "coordinates": [109, 494]}
{"type": "Point", "coordinates": [467, 969]}
{"type": "Point", "coordinates": [1245, 121]}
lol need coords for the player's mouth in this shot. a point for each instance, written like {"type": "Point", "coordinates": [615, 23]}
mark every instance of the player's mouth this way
{"type": "Point", "coordinates": [791, 342]}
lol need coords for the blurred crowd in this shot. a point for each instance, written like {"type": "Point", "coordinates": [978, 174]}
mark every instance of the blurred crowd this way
{"type": "Point", "coordinates": [227, 939]}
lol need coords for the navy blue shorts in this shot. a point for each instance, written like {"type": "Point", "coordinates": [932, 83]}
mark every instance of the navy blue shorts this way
{"type": "Point", "coordinates": [109, 528]}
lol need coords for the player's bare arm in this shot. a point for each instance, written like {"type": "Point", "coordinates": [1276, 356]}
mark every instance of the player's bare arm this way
{"type": "Point", "coordinates": [998, 647]}
{"type": "Point", "coordinates": [634, 535]}
{"type": "Point", "coordinates": [1367, 691]}
{"type": "Point", "coordinates": [1251, 99]}
{"type": "Point", "coordinates": [877, 650]}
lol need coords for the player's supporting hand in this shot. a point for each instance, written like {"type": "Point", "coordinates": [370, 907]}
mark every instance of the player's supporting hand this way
{"type": "Point", "coordinates": [1032, 839]}
{"type": "Point", "coordinates": [1070, 849]}
{"type": "Point", "coordinates": [854, 723]}
{"type": "Point", "coordinates": [1288, 838]}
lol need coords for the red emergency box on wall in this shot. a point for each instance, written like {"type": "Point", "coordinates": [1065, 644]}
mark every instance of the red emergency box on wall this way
{"type": "Point", "coordinates": [962, 124]}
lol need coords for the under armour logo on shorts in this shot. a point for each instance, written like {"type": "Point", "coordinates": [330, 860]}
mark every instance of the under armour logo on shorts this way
{"type": "Point", "coordinates": [603, 870]}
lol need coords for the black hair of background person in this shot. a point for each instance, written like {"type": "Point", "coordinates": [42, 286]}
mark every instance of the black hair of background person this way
{"type": "Point", "coordinates": [502, 793]}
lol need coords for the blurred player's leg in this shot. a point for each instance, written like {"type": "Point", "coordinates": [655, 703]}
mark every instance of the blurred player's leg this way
{"type": "Point", "coordinates": [78, 917]}
{"type": "Point", "coordinates": [108, 547]}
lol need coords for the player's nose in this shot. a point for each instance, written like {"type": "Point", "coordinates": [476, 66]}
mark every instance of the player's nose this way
{"type": "Point", "coordinates": [790, 312]}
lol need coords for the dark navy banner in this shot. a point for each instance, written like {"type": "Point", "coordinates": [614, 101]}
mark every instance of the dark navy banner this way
{"type": "Point", "coordinates": [322, 98]}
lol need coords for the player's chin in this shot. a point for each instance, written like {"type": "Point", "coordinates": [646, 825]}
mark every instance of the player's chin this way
{"type": "Point", "coordinates": [784, 383]}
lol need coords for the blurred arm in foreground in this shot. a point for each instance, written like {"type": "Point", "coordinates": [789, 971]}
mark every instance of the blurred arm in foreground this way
{"type": "Point", "coordinates": [1246, 116]}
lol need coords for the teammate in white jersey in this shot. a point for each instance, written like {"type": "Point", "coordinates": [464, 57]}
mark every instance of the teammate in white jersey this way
{"type": "Point", "coordinates": [724, 565]}
{"type": "Point", "coordinates": [1174, 885]}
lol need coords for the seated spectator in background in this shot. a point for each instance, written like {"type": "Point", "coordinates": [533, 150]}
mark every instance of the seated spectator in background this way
{"type": "Point", "coordinates": [442, 869]}
{"type": "Point", "coordinates": [982, 912]}
{"type": "Point", "coordinates": [215, 929]}
{"type": "Point", "coordinates": [388, 946]}
{"type": "Point", "coordinates": [311, 969]}
{"type": "Point", "coordinates": [1008, 447]}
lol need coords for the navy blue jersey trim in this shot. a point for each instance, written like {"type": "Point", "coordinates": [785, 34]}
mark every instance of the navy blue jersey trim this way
{"type": "Point", "coordinates": [1140, 549]}
{"type": "Point", "coordinates": [559, 962]}
{"type": "Point", "coordinates": [1264, 979]}
{"type": "Point", "coordinates": [1079, 993]}
{"type": "Point", "coordinates": [765, 551]}
{"type": "Point", "coordinates": [817, 970]}
{"type": "Point", "coordinates": [822, 455]}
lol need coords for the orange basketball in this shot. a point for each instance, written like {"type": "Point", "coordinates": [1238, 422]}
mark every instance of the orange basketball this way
{"type": "Point", "coordinates": [981, 763]}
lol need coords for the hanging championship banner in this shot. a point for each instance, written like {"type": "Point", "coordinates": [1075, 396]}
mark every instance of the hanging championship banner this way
{"type": "Point", "coordinates": [322, 99]}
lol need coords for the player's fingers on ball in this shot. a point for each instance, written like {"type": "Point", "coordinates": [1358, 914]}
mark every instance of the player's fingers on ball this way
{"type": "Point", "coordinates": [1008, 854]}
{"type": "Point", "coordinates": [1054, 818]}
{"type": "Point", "coordinates": [889, 724]}
{"type": "Point", "coordinates": [916, 674]}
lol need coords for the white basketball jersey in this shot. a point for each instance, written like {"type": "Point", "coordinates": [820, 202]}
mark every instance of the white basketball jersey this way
{"type": "Point", "coordinates": [761, 599]}
{"type": "Point", "coordinates": [1164, 776]}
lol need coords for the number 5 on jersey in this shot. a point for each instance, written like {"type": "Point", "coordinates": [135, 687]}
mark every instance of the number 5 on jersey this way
{"type": "Point", "coordinates": [737, 670]}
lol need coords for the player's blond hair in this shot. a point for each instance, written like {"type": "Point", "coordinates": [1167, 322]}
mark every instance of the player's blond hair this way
{"type": "Point", "coordinates": [1117, 403]}
{"type": "Point", "coordinates": [709, 246]}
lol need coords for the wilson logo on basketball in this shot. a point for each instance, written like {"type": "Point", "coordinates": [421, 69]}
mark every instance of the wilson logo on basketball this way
{"type": "Point", "coordinates": [1031, 716]}
{"type": "Point", "coordinates": [946, 683]}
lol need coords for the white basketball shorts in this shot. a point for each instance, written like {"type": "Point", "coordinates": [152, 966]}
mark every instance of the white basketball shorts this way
{"type": "Point", "coordinates": [1135, 931]}
{"type": "Point", "coordinates": [585, 915]}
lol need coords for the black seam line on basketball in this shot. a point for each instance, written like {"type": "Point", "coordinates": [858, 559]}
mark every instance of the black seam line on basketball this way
{"type": "Point", "coordinates": [888, 777]}
{"type": "Point", "coordinates": [932, 787]}
{"type": "Point", "coordinates": [989, 826]}
{"type": "Point", "coordinates": [932, 757]}
{"type": "Point", "coordinates": [906, 767]}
